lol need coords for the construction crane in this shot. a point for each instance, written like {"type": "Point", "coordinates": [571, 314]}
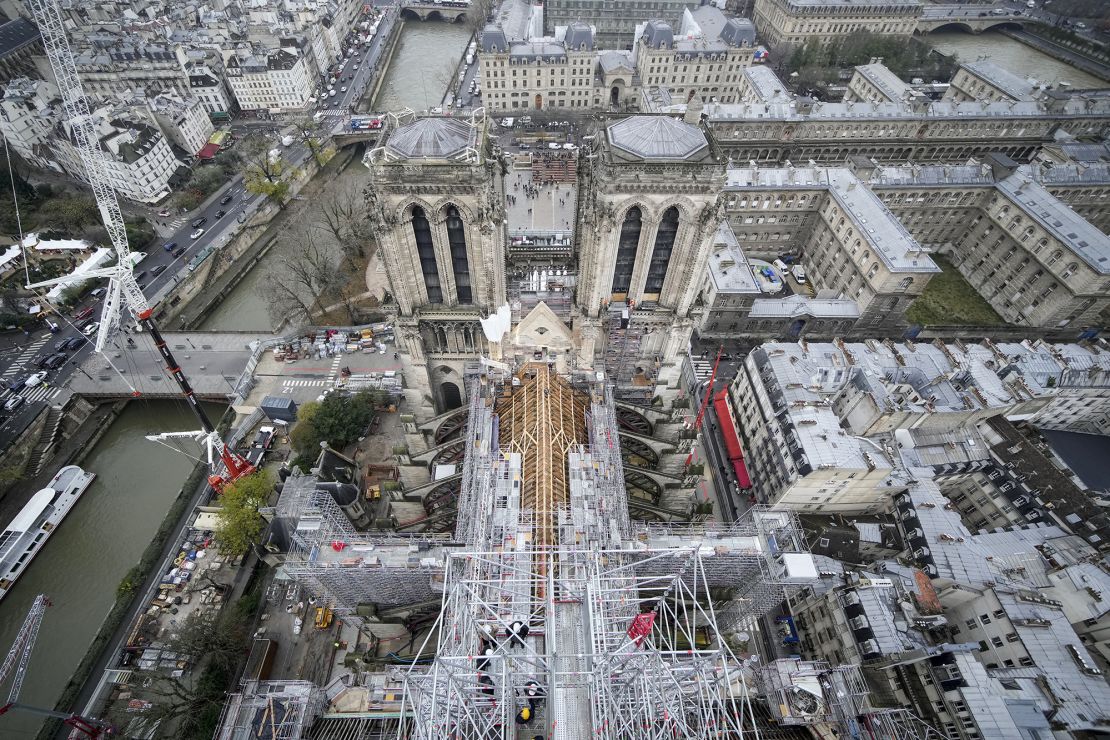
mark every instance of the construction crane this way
{"type": "Point", "coordinates": [19, 656]}
{"type": "Point", "coordinates": [123, 290]}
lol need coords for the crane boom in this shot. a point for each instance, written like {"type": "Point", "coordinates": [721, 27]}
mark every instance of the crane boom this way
{"type": "Point", "coordinates": [20, 653]}
{"type": "Point", "coordinates": [123, 289]}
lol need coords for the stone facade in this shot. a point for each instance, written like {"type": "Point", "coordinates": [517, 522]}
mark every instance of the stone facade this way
{"type": "Point", "coordinates": [437, 202]}
{"type": "Point", "coordinates": [794, 21]}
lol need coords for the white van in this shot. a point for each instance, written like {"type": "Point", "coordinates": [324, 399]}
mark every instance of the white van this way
{"type": "Point", "coordinates": [781, 267]}
{"type": "Point", "coordinates": [799, 274]}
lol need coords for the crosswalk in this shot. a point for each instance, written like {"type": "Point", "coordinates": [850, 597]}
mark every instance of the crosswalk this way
{"type": "Point", "coordinates": [702, 369]}
{"type": "Point", "coordinates": [300, 383]}
{"type": "Point", "coordinates": [28, 351]}
{"type": "Point", "coordinates": [38, 393]}
{"type": "Point", "coordinates": [336, 112]}
{"type": "Point", "coordinates": [177, 223]}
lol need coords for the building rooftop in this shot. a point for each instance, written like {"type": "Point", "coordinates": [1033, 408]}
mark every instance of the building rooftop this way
{"type": "Point", "coordinates": [432, 138]}
{"type": "Point", "coordinates": [766, 84]}
{"type": "Point", "coordinates": [1006, 81]}
{"type": "Point", "coordinates": [939, 110]}
{"type": "Point", "coordinates": [728, 267]}
{"type": "Point", "coordinates": [881, 77]}
{"type": "Point", "coordinates": [897, 248]}
{"type": "Point", "coordinates": [657, 137]}
{"type": "Point", "coordinates": [798, 305]}
{"type": "Point", "coordinates": [1086, 241]}
{"type": "Point", "coordinates": [16, 34]}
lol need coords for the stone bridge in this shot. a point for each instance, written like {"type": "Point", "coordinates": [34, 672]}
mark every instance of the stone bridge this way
{"type": "Point", "coordinates": [970, 18]}
{"type": "Point", "coordinates": [212, 361]}
{"type": "Point", "coordinates": [433, 12]}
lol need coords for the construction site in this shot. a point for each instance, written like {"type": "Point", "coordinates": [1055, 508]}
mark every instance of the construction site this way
{"type": "Point", "coordinates": [548, 611]}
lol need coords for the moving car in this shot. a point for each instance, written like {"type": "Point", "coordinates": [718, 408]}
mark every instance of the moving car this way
{"type": "Point", "coordinates": [220, 214]}
{"type": "Point", "coordinates": [169, 246]}
{"type": "Point", "coordinates": [13, 403]}
{"type": "Point", "coordinates": [84, 313]}
{"type": "Point", "coordinates": [89, 330]}
{"type": "Point", "coordinates": [35, 379]}
{"type": "Point", "coordinates": [198, 222]}
{"type": "Point", "coordinates": [73, 343]}
{"type": "Point", "coordinates": [178, 252]}
{"type": "Point", "coordinates": [55, 361]}
{"type": "Point", "coordinates": [158, 270]}
{"type": "Point", "coordinates": [226, 199]}
{"type": "Point", "coordinates": [197, 234]}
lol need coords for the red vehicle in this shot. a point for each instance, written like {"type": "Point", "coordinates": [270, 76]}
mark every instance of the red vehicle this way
{"type": "Point", "coordinates": [84, 313]}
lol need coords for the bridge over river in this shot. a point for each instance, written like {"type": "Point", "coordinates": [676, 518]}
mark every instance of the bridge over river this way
{"type": "Point", "coordinates": [971, 18]}
{"type": "Point", "coordinates": [213, 361]}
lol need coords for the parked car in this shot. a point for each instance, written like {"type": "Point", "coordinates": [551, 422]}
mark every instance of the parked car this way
{"type": "Point", "coordinates": [140, 275]}
{"type": "Point", "coordinates": [164, 213]}
{"type": "Point", "coordinates": [226, 199]}
{"type": "Point", "coordinates": [197, 234]}
{"type": "Point", "coordinates": [14, 402]}
{"type": "Point", "coordinates": [198, 222]}
{"type": "Point", "coordinates": [89, 330]}
{"type": "Point", "coordinates": [84, 313]}
{"type": "Point", "coordinates": [799, 274]}
{"type": "Point", "coordinates": [169, 246]}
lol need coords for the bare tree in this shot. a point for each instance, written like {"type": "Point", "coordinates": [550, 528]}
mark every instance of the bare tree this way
{"type": "Point", "coordinates": [344, 217]}
{"type": "Point", "coordinates": [477, 14]}
{"type": "Point", "coordinates": [306, 273]}
{"type": "Point", "coordinates": [308, 132]}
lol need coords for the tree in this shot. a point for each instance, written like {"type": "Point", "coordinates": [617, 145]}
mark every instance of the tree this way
{"type": "Point", "coordinates": [307, 267]}
{"type": "Point", "coordinates": [304, 437]}
{"type": "Point", "coordinates": [344, 217]}
{"type": "Point", "coordinates": [341, 420]}
{"type": "Point", "coordinates": [239, 525]}
{"type": "Point", "coordinates": [264, 174]}
{"type": "Point", "coordinates": [307, 132]}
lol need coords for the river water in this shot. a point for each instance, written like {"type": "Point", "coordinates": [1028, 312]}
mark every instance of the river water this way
{"type": "Point", "coordinates": [417, 77]}
{"type": "Point", "coordinates": [98, 542]}
{"type": "Point", "coordinates": [1013, 56]}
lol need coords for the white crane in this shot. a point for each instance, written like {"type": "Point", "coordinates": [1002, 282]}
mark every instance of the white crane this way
{"type": "Point", "coordinates": [123, 289]}
{"type": "Point", "coordinates": [19, 656]}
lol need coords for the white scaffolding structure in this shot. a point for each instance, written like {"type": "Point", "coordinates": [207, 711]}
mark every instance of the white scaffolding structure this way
{"type": "Point", "coordinates": [275, 710]}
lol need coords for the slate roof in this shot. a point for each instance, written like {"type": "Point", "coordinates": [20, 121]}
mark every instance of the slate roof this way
{"type": "Point", "coordinates": [657, 137]}
{"type": "Point", "coordinates": [435, 138]}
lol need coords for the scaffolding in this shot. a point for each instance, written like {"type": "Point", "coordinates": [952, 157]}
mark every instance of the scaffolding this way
{"type": "Point", "coordinates": [271, 710]}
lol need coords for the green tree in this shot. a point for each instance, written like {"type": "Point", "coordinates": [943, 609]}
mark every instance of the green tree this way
{"type": "Point", "coordinates": [264, 174]}
{"type": "Point", "coordinates": [341, 420]}
{"type": "Point", "coordinates": [239, 525]}
{"type": "Point", "coordinates": [304, 438]}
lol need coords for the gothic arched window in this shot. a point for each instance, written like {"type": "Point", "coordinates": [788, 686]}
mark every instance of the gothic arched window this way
{"type": "Point", "coordinates": [661, 253]}
{"type": "Point", "coordinates": [456, 238]}
{"type": "Point", "coordinates": [626, 250]}
{"type": "Point", "coordinates": [422, 232]}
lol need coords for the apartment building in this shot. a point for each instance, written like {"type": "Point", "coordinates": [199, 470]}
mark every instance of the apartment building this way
{"type": "Point", "coordinates": [138, 157]}
{"type": "Point", "coordinates": [758, 84]}
{"type": "Point", "coordinates": [875, 83]}
{"type": "Point", "coordinates": [985, 80]}
{"type": "Point", "coordinates": [794, 21]}
{"type": "Point", "coordinates": [706, 59]}
{"type": "Point", "coordinates": [20, 43]}
{"type": "Point", "coordinates": [1033, 258]}
{"type": "Point", "coordinates": [28, 113]}
{"type": "Point", "coordinates": [615, 20]}
{"type": "Point", "coordinates": [851, 245]}
{"type": "Point", "coordinates": [540, 73]}
{"type": "Point", "coordinates": [273, 80]}
{"type": "Point", "coordinates": [183, 120]}
{"type": "Point", "coordinates": [207, 85]}
{"type": "Point", "coordinates": [116, 66]}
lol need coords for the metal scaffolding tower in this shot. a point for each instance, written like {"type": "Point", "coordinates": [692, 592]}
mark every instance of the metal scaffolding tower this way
{"type": "Point", "coordinates": [275, 710]}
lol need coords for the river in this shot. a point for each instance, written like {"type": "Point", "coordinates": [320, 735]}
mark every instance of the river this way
{"type": "Point", "coordinates": [1011, 55]}
{"type": "Point", "coordinates": [417, 77]}
{"type": "Point", "coordinates": [102, 538]}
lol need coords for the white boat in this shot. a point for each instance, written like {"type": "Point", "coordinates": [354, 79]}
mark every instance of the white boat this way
{"type": "Point", "coordinates": [31, 528]}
